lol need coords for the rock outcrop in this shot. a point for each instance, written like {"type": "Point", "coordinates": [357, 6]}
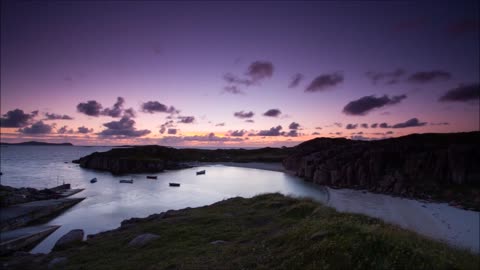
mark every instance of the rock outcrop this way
{"type": "Point", "coordinates": [70, 238]}
{"type": "Point", "coordinates": [154, 158]}
{"type": "Point", "coordinates": [428, 166]}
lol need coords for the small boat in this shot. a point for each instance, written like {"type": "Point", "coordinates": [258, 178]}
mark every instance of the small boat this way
{"type": "Point", "coordinates": [66, 162]}
{"type": "Point", "coordinates": [93, 180]}
{"type": "Point", "coordinates": [126, 181]}
{"type": "Point", "coordinates": [174, 184]}
{"type": "Point", "coordinates": [151, 177]}
{"type": "Point", "coordinates": [201, 172]}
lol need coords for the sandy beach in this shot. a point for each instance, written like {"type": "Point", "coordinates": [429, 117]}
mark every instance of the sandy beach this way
{"type": "Point", "coordinates": [439, 221]}
{"type": "Point", "coordinates": [458, 227]}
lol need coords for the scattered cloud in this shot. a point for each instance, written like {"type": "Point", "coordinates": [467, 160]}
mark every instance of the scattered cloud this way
{"type": "Point", "coordinates": [116, 110]}
{"type": "Point", "coordinates": [243, 115]}
{"type": "Point", "coordinates": [318, 127]}
{"type": "Point", "coordinates": [123, 128]}
{"type": "Point", "coordinates": [186, 119]}
{"type": "Point", "coordinates": [365, 104]}
{"type": "Point", "coordinates": [232, 79]}
{"type": "Point", "coordinates": [237, 133]}
{"type": "Point", "coordinates": [17, 118]}
{"type": "Point", "coordinates": [291, 133]}
{"type": "Point", "coordinates": [296, 79]}
{"type": "Point", "coordinates": [166, 125]}
{"type": "Point", "coordinates": [274, 131]}
{"type": "Point", "coordinates": [37, 128]}
{"type": "Point", "coordinates": [249, 121]}
{"type": "Point", "coordinates": [272, 113]}
{"type": "Point", "coordinates": [84, 130]}
{"type": "Point", "coordinates": [440, 124]}
{"type": "Point", "coordinates": [260, 70]}
{"type": "Point", "coordinates": [65, 130]}
{"type": "Point", "coordinates": [392, 77]}
{"type": "Point", "coordinates": [256, 72]}
{"type": "Point", "coordinates": [351, 126]}
{"type": "Point", "coordinates": [364, 125]}
{"type": "Point", "coordinates": [54, 116]}
{"type": "Point", "coordinates": [429, 76]}
{"type": "Point", "coordinates": [414, 122]}
{"type": "Point", "coordinates": [462, 93]}
{"type": "Point", "coordinates": [172, 131]}
{"type": "Point", "coordinates": [130, 113]}
{"type": "Point", "coordinates": [374, 125]}
{"type": "Point", "coordinates": [325, 81]}
{"type": "Point", "coordinates": [233, 89]}
{"type": "Point", "coordinates": [90, 108]}
{"type": "Point", "coordinates": [315, 133]}
{"type": "Point", "coordinates": [294, 125]}
{"type": "Point", "coordinates": [155, 106]}
{"type": "Point", "coordinates": [220, 125]}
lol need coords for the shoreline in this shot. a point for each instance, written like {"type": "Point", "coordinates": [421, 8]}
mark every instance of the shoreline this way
{"type": "Point", "coordinates": [268, 166]}
{"type": "Point", "coordinates": [439, 221]}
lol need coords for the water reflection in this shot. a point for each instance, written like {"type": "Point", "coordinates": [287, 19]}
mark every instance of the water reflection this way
{"type": "Point", "coordinates": [109, 202]}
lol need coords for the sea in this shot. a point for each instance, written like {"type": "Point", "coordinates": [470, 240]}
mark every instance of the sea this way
{"type": "Point", "coordinates": [108, 202]}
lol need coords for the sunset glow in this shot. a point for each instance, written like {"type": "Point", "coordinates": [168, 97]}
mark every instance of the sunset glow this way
{"type": "Point", "coordinates": [236, 74]}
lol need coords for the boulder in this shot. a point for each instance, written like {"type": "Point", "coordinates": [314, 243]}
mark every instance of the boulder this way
{"type": "Point", "coordinates": [56, 262]}
{"type": "Point", "coordinates": [142, 239]}
{"type": "Point", "coordinates": [70, 238]}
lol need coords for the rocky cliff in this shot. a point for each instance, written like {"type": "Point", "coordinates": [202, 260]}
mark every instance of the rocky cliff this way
{"type": "Point", "coordinates": [430, 166]}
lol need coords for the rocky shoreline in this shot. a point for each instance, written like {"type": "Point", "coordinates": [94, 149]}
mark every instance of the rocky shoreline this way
{"type": "Point", "coordinates": [434, 167]}
{"type": "Point", "coordinates": [424, 166]}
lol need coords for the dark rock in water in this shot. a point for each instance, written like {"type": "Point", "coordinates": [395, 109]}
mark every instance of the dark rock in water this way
{"type": "Point", "coordinates": [417, 165]}
{"type": "Point", "coordinates": [142, 240]}
{"type": "Point", "coordinates": [70, 238]}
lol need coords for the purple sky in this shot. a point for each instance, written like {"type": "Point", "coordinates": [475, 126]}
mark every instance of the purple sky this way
{"type": "Point", "coordinates": [412, 66]}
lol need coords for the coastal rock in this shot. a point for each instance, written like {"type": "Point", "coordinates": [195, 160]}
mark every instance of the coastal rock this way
{"type": "Point", "coordinates": [72, 237]}
{"type": "Point", "coordinates": [142, 240]}
{"type": "Point", "coordinates": [418, 165]}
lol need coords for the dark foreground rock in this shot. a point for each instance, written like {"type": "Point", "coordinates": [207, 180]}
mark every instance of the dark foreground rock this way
{"type": "Point", "coordinates": [71, 238]}
{"type": "Point", "coordinates": [427, 166]}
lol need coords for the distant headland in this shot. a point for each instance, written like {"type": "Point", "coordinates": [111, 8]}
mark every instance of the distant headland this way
{"type": "Point", "coordinates": [38, 143]}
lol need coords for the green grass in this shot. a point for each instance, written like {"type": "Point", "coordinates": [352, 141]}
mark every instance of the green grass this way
{"type": "Point", "coordinates": [265, 232]}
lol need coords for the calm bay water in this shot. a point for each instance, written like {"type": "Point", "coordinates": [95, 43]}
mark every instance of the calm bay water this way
{"type": "Point", "coordinates": [108, 202]}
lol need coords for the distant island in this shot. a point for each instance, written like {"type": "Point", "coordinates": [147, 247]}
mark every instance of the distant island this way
{"type": "Point", "coordinates": [35, 143]}
{"type": "Point", "coordinates": [440, 167]}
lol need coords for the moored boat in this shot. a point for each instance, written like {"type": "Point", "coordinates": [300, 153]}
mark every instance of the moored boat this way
{"type": "Point", "coordinates": [126, 181]}
{"type": "Point", "coordinates": [201, 172]}
{"type": "Point", "coordinates": [174, 184]}
{"type": "Point", "coordinates": [151, 177]}
{"type": "Point", "coordinates": [93, 180]}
